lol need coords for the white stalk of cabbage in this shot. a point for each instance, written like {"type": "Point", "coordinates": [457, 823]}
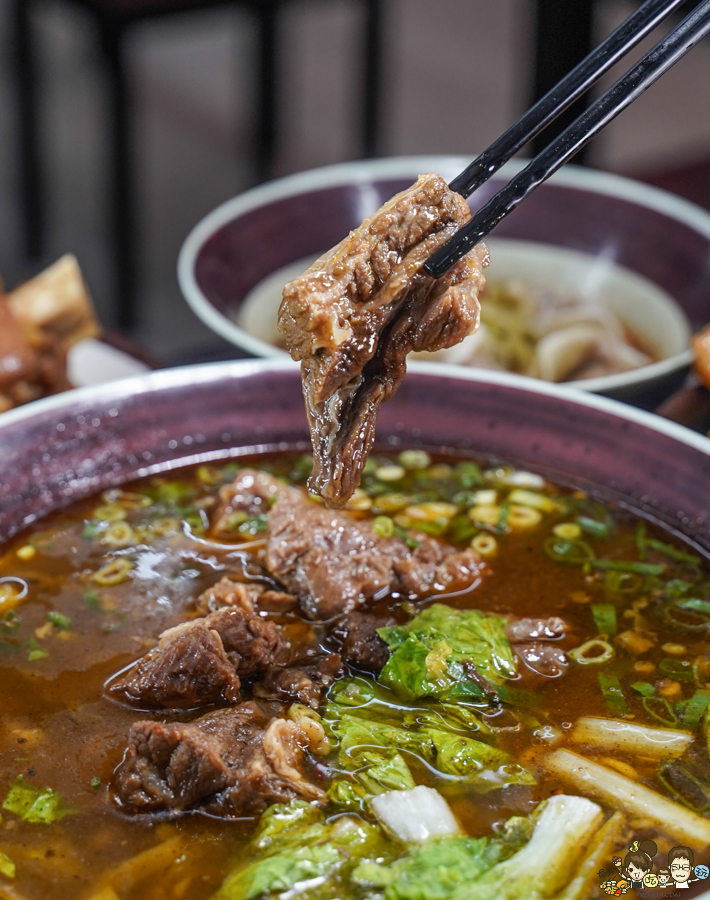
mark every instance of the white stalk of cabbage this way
{"type": "Point", "coordinates": [542, 867]}
{"type": "Point", "coordinates": [415, 815]}
{"type": "Point", "coordinates": [598, 852]}
{"type": "Point", "coordinates": [565, 826]}
{"type": "Point", "coordinates": [628, 737]}
{"type": "Point", "coordinates": [633, 798]}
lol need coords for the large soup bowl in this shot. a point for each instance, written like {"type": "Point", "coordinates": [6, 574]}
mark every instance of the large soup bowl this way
{"type": "Point", "coordinates": [60, 449]}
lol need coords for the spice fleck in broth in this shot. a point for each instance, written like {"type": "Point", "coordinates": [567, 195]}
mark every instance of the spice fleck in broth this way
{"type": "Point", "coordinates": [469, 683]}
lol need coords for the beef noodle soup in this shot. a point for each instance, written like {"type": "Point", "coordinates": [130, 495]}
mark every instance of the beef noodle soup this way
{"type": "Point", "coordinates": [468, 684]}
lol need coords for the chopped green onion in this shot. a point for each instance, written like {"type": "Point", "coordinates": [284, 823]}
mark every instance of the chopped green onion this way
{"type": "Point", "coordinates": [34, 650]}
{"type": "Point", "coordinates": [109, 512]}
{"type": "Point", "coordinates": [695, 708]}
{"type": "Point", "coordinates": [92, 599]}
{"type": "Point", "coordinates": [389, 503]}
{"type": "Point", "coordinates": [613, 694]}
{"type": "Point", "coordinates": [672, 552]}
{"type": "Point", "coordinates": [237, 518]}
{"type": "Point", "coordinates": [644, 688]}
{"type": "Point", "coordinates": [461, 529]}
{"type": "Point", "coordinates": [10, 621]}
{"type": "Point", "coordinates": [686, 783]}
{"type": "Point", "coordinates": [594, 652]}
{"type": "Point", "coordinates": [485, 544]}
{"type": "Point", "coordinates": [503, 517]}
{"type": "Point", "coordinates": [95, 782]}
{"type": "Point", "coordinates": [532, 498]}
{"type": "Point", "coordinates": [678, 669]}
{"type": "Point", "coordinates": [573, 552]}
{"type": "Point", "coordinates": [641, 541]}
{"type": "Point", "coordinates": [468, 474]}
{"type": "Point", "coordinates": [383, 526]}
{"type": "Point", "coordinates": [414, 460]}
{"type": "Point", "coordinates": [517, 697]}
{"type": "Point", "coordinates": [254, 525]}
{"type": "Point", "coordinates": [622, 582]}
{"type": "Point", "coordinates": [593, 527]}
{"type": "Point", "coordinates": [676, 587]}
{"type": "Point", "coordinates": [113, 572]}
{"type": "Point", "coordinates": [302, 468]}
{"type": "Point", "coordinates": [411, 542]}
{"type": "Point", "coordinates": [389, 473]}
{"type": "Point", "coordinates": [173, 492]}
{"type": "Point", "coordinates": [681, 615]}
{"type": "Point", "coordinates": [59, 620]}
{"type": "Point", "coordinates": [436, 529]}
{"type": "Point", "coordinates": [695, 605]}
{"type": "Point", "coordinates": [641, 568]}
{"type": "Point", "coordinates": [568, 531]}
{"type": "Point", "coordinates": [670, 718]}
{"type": "Point", "coordinates": [605, 618]}
{"type": "Point", "coordinates": [464, 499]}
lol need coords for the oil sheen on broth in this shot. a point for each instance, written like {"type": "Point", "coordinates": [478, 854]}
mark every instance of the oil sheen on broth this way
{"type": "Point", "coordinates": [513, 623]}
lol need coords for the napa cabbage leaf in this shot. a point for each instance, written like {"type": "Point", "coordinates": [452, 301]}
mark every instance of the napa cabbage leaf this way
{"type": "Point", "coordinates": [34, 804]}
{"type": "Point", "coordinates": [300, 852]}
{"type": "Point", "coordinates": [432, 654]}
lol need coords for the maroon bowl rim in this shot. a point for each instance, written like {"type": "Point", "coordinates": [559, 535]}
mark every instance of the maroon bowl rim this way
{"type": "Point", "coordinates": [36, 440]}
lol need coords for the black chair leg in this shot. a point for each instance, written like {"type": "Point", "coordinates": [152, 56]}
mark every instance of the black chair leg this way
{"type": "Point", "coordinates": [372, 78]}
{"type": "Point", "coordinates": [266, 100]}
{"type": "Point", "coordinates": [121, 183]}
{"type": "Point", "coordinates": [564, 34]}
{"type": "Point", "coordinates": [30, 166]}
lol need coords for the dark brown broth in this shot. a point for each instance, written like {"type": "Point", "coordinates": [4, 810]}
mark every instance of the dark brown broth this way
{"type": "Point", "coordinates": [59, 730]}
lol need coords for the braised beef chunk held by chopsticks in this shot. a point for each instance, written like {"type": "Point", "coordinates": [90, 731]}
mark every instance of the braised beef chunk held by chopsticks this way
{"type": "Point", "coordinates": [353, 316]}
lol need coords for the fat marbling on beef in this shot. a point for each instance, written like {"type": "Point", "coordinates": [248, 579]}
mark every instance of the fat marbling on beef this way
{"type": "Point", "coordinates": [352, 317]}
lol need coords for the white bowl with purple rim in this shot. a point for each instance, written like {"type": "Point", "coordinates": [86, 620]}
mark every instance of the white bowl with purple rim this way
{"type": "Point", "coordinates": [645, 252]}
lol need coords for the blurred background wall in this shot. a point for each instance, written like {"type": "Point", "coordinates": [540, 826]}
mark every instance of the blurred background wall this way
{"type": "Point", "coordinates": [455, 74]}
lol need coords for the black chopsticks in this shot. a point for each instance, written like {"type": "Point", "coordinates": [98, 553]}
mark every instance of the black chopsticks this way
{"type": "Point", "coordinates": [622, 93]}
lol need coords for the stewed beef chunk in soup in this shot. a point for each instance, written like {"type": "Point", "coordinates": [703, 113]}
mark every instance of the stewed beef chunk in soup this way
{"type": "Point", "coordinates": [468, 683]}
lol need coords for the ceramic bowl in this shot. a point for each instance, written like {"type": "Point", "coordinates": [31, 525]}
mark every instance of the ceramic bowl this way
{"type": "Point", "coordinates": [642, 251]}
{"type": "Point", "coordinates": [57, 450]}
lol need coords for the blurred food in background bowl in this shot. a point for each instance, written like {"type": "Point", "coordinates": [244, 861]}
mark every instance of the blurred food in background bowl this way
{"type": "Point", "coordinates": [49, 338]}
{"type": "Point", "coordinates": [628, 264]}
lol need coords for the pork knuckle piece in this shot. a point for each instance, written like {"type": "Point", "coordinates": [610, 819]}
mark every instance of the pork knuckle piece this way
{"type": "Point", "coordinates": [352, 317]}
{"type": "Point", "coordinates": [231, 762]}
